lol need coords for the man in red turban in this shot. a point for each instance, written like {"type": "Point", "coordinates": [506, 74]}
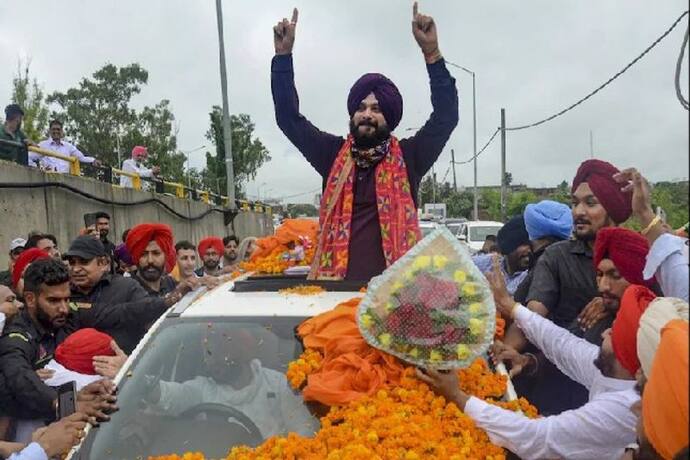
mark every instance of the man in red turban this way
{"type": "Point", "coordinates": [153, 251]}
{"type": "Point", "coordinates": [603, 426]}
{"type": "Point", "coordinates": [367, 227]}
{"type": "Point", "coordinates": [619, 259]}
{"type": "Point", "coordinates": [77, 351]}
{"type": "Point", "coordinates": [211, 249]}
{"type": "Point", "coordinates": [25, 259]}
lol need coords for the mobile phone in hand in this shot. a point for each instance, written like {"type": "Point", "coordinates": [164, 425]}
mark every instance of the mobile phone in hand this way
{"type": "Point", "coordinates": [67, 399]}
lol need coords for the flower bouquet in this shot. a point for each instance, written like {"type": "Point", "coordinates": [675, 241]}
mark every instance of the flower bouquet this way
{"type": "Point", "coordinates": [432, 308]}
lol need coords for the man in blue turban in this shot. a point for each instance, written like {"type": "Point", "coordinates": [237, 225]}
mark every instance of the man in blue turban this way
{"type": "Point", "coordinates": [370, 178]}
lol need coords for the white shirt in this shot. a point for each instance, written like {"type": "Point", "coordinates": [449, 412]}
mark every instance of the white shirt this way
{"type": "Point", "coordinates": [25, 428]}
{"type": "Point", "coordinates": [132, 166]}
{"type": "Point", "coordinates": [31, 452]}
{"type": "Point", "coordinates": [668, 261]}
{"type": "Point", "coordinates": [599, 430]}
{"type": "Point", "coordinates": [268, 401]}
{"type": "Point", "coordinates": [56, 164]}
{"type": "Point", "coordinates": [2, 322]}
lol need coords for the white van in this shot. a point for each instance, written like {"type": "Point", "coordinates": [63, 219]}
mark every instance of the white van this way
{"type": "Point", "coordinates": [474, 233]}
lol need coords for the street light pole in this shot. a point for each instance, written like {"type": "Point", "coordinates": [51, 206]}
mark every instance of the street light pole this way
{"type": "Point", "coordinates": [186, 154]}
{"type": "Point", "coordinates": [227, 134]}
{"type": "Point", "coordinates": [475, 213]}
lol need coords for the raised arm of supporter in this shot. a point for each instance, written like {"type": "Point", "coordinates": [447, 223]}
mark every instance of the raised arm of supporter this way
{"type": "Point", "coordinates": [35, 398]}
{"type": "Point", "coordinates": [599, 429]}
{"type": "Point", "coordinates": [319, 148]}
{"type": "Point", "coordinates": [586, 432]}
{"type": "Point", "coordinates": [140, 309]}
{"type": "Point", "coordinates": [422, 149]}
{"type": "Point", "coordinates": [665, 260]}
{"type": "Point", "coordinates": [75, 152]}
{"type": "Point", "coordinates": [572, 355]}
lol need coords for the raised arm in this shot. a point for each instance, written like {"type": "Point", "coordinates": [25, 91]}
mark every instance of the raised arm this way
{"type": "Point", "coordinates": [318, 148]}
{"type": "Point", "coordinates": [422, 149]}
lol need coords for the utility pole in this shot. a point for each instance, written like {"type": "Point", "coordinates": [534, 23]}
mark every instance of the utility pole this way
{"type": "Point", "coordinates": [227, 134]}
{"type": "Point", "coordinates": [452, 162]}
{"type": "Point", "coordinates": [475, 215]}
{"type": "Point", "coordinates": [503, 165]}
{"type": "Point", "coordinates": [433, 184]}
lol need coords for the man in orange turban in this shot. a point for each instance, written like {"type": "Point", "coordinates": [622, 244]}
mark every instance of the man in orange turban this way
{"type": "Point", "coordinates": [152, 250]}
{"type": "Point", "coordinates": [211, 249]}
{"type": "Point", "coordinates": [663, 427]}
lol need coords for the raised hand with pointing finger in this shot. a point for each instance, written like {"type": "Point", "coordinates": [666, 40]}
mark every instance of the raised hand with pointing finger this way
{"type": "Point", "coordinates": [424, 31]}
{"type": "Point", "coordinates": [284, 34]}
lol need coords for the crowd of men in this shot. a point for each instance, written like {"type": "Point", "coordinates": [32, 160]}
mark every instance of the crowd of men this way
{"type": "Point", "coordinates": [17, 151]}
{"type": "Point", "coordinates": [75, 315]}
{"type": "Point", "coordinates": [598, 326]}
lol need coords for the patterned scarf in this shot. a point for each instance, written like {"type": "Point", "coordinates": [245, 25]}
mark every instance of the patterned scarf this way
{"type": "Point", "coordinates": [396, 209]}
{"type": "Point", "coordinates": [365, 158]}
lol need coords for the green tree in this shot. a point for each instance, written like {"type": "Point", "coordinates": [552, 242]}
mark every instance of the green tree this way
{"type": "Point", "coordinates": [303, 209]}
{"type": "Point", "coordinates": [517, 202]}
{"type": "Point", "coordinates": [561, 194]}
{"type": "Point", "coordinates": [98, 117]}
{"type": "Point", "coordinates": [459, 204]}
{"type": "Point", "coordinates": [248, 152]}
{"type": "Point", "coordinates": [29, 95]}
{"type": "Point", "coordinates": [508, 178]}
{"type": "Point", "coordinates": [490, 204]}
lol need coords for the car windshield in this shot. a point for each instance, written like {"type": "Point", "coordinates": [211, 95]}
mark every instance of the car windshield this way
{"type": "Point", "coordinates": [480, 233]}
{"type": "Point", "coordinates": [454, 227]}
{"type": "Point", "coordinates": [206, 385]}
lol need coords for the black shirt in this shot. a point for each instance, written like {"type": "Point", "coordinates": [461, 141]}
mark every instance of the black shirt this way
{"type": "Point", "coordinates": [168, 285]}
{"type": "Point", "coordinates": [25, 347]}
{"type": "Point", "coordinates": [110, 251]}
{"type": "Point", "coordinates": [564, 280]}
{"type": "Point", "coordinates": [117, 306]}
{"type": "Point", "coordinates": [120, 307]}
{"type": "Point", "coordinates": [420, 151]}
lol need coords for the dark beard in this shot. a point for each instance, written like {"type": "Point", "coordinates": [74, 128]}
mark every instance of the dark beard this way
{"type": "Point", "coordinates": [211, 264]}
{"type": "Point", "coordinates": [381, 135]}
{"type": "Point", "coordinates": [151, 273]}
{"type": "Point", "coordinates": [604, 363]}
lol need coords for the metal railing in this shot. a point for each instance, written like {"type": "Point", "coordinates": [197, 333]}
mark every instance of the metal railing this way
{"type": "Point", "coordinates": [162, 186]}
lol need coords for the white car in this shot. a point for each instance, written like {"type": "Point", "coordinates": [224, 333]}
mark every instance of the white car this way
{"type": "Point", "coordinates": [427, 226]}
{"type": "Point", "coordinates": [168, 398]}
{"type": "Point", "coordinates": [474, 233]}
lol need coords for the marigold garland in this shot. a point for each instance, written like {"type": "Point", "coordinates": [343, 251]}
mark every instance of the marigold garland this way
{"type": "Point", "coordinates": [500, 327]}
{"type": "Point", "coordinates": [302, 289]}
{"type": "Point", "coordinates": [299, 369]}
{"type": "Point", "coordinates": [406, 421]}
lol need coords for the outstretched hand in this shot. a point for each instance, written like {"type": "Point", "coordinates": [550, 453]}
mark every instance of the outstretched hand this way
{"type": "Point", "coordinates": [284, 34]}
{"type": "Point", "coordinates": [424, 31]}
{"type": "Point", "coordinates": [497, 282]}
{"type": "Point", "coordinates": [631, 180]}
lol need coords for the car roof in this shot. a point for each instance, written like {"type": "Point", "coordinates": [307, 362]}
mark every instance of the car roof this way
{"type": "Point", "coordinates": [488, 223]}
{"type": "Point", "coordinates": [222, 301]}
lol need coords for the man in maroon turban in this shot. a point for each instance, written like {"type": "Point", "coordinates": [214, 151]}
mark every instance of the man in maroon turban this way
{"type": "Point", "coordinates": [368, 212]}
{"type": "Point", "coordinates": [564, 283]}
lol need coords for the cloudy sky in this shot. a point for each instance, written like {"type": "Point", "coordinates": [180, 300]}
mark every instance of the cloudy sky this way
{"type": "Point", "coordinates": [531, 57]}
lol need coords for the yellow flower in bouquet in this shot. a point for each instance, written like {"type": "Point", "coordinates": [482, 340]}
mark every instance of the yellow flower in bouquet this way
{"type": "Point", "coordinates": [475, 308]}
{"type": "Point", "coordinates": [460, 276]}
{"type": "Point", "coordinates": [469, 289]}
{"type": "Point", "coordinates": [463, 351]}
{"type": "Point", "coordinates": [476, 326]}
{"type": "Point", "coordinates": [440, 262]}
{"type": "Point", "coordinates": [421, 262]}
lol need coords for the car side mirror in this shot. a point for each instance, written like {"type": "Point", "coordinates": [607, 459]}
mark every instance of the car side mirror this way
{"type": "Point", "coordinates": [462, 237]}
